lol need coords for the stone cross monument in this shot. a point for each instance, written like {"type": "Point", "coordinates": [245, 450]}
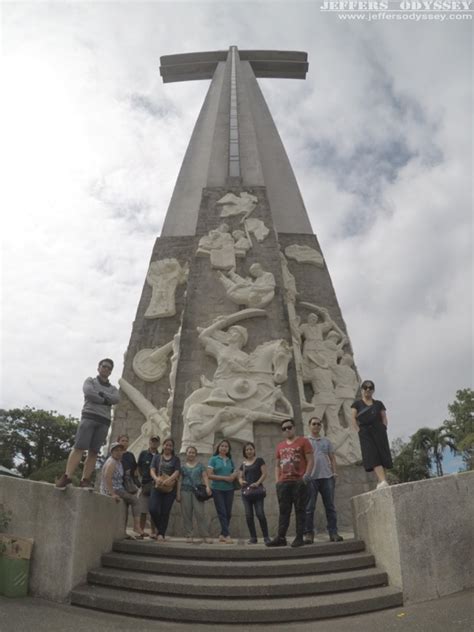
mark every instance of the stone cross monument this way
{"type": "Point", "coordinates": [238, 326]}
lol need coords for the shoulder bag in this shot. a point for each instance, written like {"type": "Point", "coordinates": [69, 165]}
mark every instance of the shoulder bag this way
{"type": "Point", "coordinates": [253, 493]}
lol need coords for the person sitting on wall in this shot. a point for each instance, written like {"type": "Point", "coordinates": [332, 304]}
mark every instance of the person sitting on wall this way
{"type": "Point", "coordinates": [111, 484]}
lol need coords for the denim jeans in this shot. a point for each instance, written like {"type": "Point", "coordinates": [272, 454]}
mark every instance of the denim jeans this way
{"type": "Point", "coordinates": [249, 506]}
{"type": "Point", "coordinates": [325, 486]}
{"type": "Point", "coordinates": [223, 500]}
{"type": "Point", "coordinates": [291, 493]}
{"type": "Point", "coordinates": [160, 509]}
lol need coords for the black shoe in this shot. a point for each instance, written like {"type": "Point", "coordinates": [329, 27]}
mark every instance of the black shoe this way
{"type": "Point", "coordinates": [309, 538]}
{"type": "Point", "coordinates": [335, 537]}
{"type": "Point", "coordinates": [297, 542]}
{"type": "Point", "coordinates": [276, 542]}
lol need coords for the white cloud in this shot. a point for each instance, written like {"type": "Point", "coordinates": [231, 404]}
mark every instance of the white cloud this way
{"type": "Point", "coordinates": [379, 135]}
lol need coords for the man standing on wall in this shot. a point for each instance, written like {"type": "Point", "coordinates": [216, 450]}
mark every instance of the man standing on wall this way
{"type": "Point", "coordinates": [293, 466]}
{"type": "Point", "coordinates": [323, 480]}
{"type": "Point", "coordinates": [99, 397]}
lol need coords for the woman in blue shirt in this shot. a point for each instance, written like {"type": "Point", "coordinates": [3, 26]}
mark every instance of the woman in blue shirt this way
{"type": "Point", "coordinates": [222, 473]}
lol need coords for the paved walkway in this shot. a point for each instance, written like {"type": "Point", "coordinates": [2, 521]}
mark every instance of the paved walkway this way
{"type": "Point", "coordinates": [448, 614]}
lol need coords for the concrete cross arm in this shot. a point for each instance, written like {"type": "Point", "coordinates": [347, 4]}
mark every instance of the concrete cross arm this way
{"type": "Point", "coordinates": [265, 63]}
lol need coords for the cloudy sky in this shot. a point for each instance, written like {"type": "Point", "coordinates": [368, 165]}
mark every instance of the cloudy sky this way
{"type": "Point", "coordinates": [379, 135]}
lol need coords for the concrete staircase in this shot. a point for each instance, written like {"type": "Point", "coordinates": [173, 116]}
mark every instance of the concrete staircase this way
{"type": "Point", "coordinates": [237, 584]}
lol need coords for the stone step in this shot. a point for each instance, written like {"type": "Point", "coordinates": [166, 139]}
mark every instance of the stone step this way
{"type": "Point", "coordinates": [237, 567]}
{"type": "Point", "coordinates": [236, 552]}
{"type": "Point", "coordinates": [246, 610]}
{"type": "Point", "coordinates": [238, 587]}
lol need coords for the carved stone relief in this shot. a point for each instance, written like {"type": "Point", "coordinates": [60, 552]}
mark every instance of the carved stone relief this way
{"type": "Point", "coordinates": [304, 254]}
{"type": "Point", "coordinates": [257, 227]}
{"type": "Point", "coordinates": [244, 387]}
{"type": "Point", "coordinates": [346, 385]}
{"type": "Point", "coordinates": [329, 376]}
{"type": "Point", "coordinates": [220, 246]}
{"type": "Point", "coordinates": [156, 420]}
{"type": "Point", "coordinates": [164, 276]}
{"type": "Point", "coordinates": [150, 364]}
{"type": "Point", "coordinates": [254, 291]}
{"type": "Point", "coordinates": [241, 243]}
{"type": "Point", "coordinates": [236, 204]}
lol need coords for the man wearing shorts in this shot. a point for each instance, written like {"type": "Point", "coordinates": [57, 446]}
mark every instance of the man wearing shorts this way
{"type": "Point", "coordinates": [99, 396]}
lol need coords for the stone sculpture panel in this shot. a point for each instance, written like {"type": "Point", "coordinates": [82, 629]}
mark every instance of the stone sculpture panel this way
{"type": "Point", "coordinates": [254, 291]}
{"type": "Point", "coordinates": [164, 277]}
{"type": "Point", "coordinates": [245, 386]}
{"type": "Point", "coordinates": [157, 421]}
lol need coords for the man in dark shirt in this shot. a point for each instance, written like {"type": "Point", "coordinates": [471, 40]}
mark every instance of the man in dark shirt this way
{"type": "Point", "coordinates": [144, 461]}
{"type": "Point", "coordinates": [99, 397]}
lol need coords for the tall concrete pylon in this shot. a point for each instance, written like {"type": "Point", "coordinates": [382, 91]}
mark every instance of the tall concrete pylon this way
{"type": "Point", "coordinates": [238, 325]}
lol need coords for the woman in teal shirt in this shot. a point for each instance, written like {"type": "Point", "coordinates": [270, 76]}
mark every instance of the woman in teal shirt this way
{"type": "Point", "coordinates": [222, 473]}
{"type": "Point", "coordinates": [193, 474]}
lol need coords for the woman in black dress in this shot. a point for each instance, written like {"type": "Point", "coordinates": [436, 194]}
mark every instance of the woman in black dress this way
{"type": "Point", "coordinates": [370, 421]}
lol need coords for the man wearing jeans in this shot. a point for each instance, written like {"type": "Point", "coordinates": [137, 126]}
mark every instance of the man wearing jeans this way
{"type": "Point", "coordinates": [323, 479]}
{"type": "Point", "coordinates": [293, 466]}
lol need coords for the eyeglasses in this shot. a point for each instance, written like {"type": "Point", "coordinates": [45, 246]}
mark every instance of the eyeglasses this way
{"type": "Point", "coordinates": [106, 366]}
{"type": "Point", "coordinates": [367, 388]}
{"type": "Point", "coordinates": [285, 428]}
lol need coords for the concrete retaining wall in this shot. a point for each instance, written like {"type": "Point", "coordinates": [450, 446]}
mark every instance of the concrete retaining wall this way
{"type": "Point", "coordinates": [422, 534]}
{"type": "Point", "coordinates": [71, 529]}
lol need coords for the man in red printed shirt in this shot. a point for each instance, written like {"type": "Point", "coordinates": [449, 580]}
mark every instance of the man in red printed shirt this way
{"type": "Point", "coordinates": [294, 461]}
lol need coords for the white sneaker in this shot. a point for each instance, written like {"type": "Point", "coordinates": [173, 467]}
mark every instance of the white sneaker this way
{"type": "Point", "coordinates": [382, 484]}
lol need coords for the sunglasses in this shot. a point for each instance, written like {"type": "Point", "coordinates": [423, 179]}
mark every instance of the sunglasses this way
{"type": "Point", "coordinates": [368, 388]}
{"type": "Point", "coordinates": [285, 428]}
{"type": "Point", "coordinates": [315, 423]}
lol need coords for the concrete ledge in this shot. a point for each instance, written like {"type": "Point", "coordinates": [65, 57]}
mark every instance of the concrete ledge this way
{"type": "Point", "coordinates": [421, 534]}
{"type": "Point", "coordinates": [71, 530]}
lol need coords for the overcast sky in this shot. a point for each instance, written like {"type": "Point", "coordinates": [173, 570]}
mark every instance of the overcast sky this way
{"type": "Point", "coordinates": [379, 135]}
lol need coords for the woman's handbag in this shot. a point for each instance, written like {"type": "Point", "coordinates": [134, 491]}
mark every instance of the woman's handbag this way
{"type": "Point", "coordinates": [163, 483]}
{"type": "Point", "coordinates": [253, 493]}
{"type": "Point", "coordinates": [129, 484]}
{"type": "Point", "coordinates": [200, 492]}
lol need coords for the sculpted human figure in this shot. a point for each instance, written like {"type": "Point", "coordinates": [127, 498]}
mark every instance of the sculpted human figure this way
{"type": "Point", "coordinates": [244, 387]}
{"type": "Point", "coordinates": [219, 245]}
{"type": "Point", "coordinates": [242, 244]}
{"type": "Point", "coordinates": [346, 385]}
{"type": "Point", "coordinates": [164, 276]}
{"type": "Point", "coordinates": [254, 291]}
{"type": "Point", "coordinates": [333, 346]}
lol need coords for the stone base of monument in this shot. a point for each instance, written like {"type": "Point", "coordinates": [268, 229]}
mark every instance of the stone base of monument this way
{"type": "Point", "coordinates": [235, 584]}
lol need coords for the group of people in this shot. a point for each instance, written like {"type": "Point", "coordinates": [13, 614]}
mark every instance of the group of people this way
{"type": "Point", "coordinates": [304, 468]}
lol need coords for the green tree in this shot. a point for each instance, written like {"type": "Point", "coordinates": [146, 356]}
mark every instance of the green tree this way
{"type": "Point", "coordinates": [409, 463]}
{"type": "Point", "coordinates": [33, 439]}
{"type": "Point", "coordinates": [433, 441]}
{"type": "Point", "coordinates": [461, 425]}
